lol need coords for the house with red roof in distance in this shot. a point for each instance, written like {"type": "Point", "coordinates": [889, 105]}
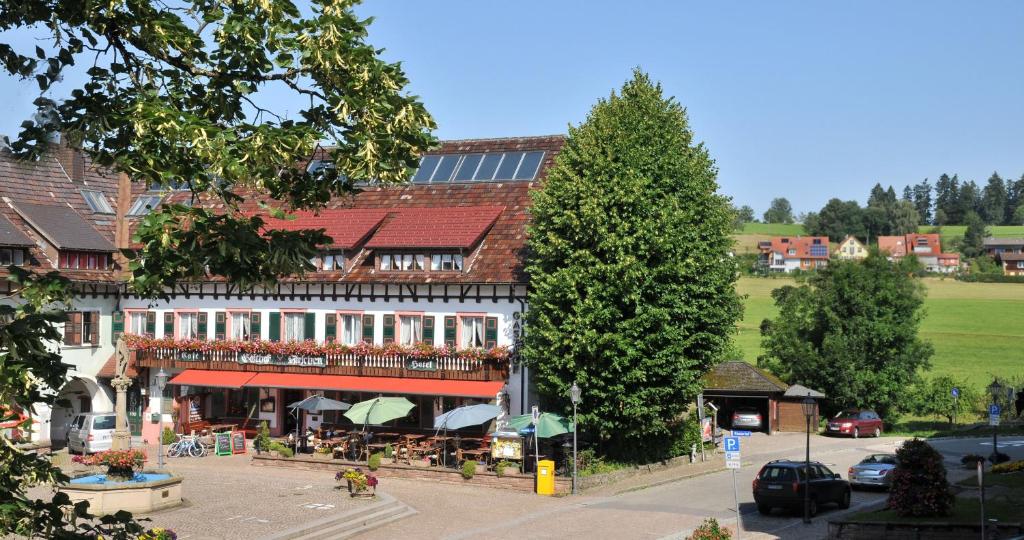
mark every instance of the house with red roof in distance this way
{"type": "Point", "coordinates": [926, 247]}
{"type": "Point", "coordinates": [788, 253]}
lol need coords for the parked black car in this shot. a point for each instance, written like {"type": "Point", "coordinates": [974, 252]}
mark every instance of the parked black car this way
{"type": "Point", "coordinates": [780, 484]}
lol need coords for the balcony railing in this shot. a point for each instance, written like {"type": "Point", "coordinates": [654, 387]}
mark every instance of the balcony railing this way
{"type": "Point", "coordinates": [457, 367]}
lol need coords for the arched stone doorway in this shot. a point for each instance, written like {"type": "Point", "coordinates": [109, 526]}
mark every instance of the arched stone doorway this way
{"type": "Point", "coordinates": [80, 395]}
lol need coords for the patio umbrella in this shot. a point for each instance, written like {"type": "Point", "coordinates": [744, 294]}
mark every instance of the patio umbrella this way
{"type": "Point", "coordinates": [315, 403]}
{"type": "Point", "coordinates": [319, 403]}
{"type": "Point", "coordinates": [548, 425]}
{"type": "Point", "coordinates": [379, 410]}
{"type": "Point", "coordinates": [470, 415]}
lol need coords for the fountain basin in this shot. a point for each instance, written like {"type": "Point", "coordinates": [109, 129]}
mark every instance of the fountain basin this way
{"type": "Point", "coordinates": [149, 491]}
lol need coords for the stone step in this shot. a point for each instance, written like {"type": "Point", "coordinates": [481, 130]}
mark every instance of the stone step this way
{"type": "Point", "coordinates": [351, 528]}
{"type": "Point", "coordinates": [385, 506]}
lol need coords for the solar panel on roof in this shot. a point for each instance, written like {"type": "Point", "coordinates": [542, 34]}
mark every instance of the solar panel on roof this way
{"type": "Point", "coordinates": [488, 167]}
{"type": "Point", "coordinates": [819, 251]}
{"type": "Point", "coordinates": [426, 170]}
{"type": "Point", "coordinates": [528, 168]}
{"type": "Point", "coordinates": [468, 167]}
{"type": "Point", "coordinates": [445, 168]}
{"type": "Point", "coordinates": [507, 169]}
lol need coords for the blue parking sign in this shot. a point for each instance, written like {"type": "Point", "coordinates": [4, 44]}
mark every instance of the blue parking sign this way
{"type": "Point", "coordinates": [732, 444]}
{"type": "Point", "coordinates": [955, 391]}
{"type": "Point", "coordinates": [994, 410]}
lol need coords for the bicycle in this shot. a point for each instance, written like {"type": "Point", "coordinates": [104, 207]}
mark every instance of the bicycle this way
{"type": "Point", "coordinates": [186, 445]}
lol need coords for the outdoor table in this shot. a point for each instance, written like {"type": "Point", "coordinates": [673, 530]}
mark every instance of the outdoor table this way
{"type": "Point", "coordinates": [214, 428]}
{"type": "Point", "coordinates": [461, 455]}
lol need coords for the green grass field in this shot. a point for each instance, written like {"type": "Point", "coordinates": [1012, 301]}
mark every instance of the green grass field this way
{"type": "Point", "coordinates": [953, 233]}
{"type": "Point", "coordinates": [773, 229]}
{"type": "Point", "coordinates": [976, 328]}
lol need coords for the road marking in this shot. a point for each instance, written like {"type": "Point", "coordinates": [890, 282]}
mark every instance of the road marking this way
{"type": "Point", "coordinates": [310, 486]}
{"type": "Point", "coordinates": [317, 506]}
{"type": "Point", "coordinates": [1006, 444]}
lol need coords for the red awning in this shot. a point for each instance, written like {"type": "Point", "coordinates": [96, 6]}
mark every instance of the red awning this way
{"type": "Point", "coordinates": [216, 379]}
{"type": "Point", "coordinates": [384, 385]}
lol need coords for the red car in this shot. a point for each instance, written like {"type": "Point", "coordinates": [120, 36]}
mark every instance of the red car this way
{"type": "Point", "coordinates": [855, 422]}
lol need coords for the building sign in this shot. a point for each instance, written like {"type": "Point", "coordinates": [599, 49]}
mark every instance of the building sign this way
{"type": "Point", "coordinates": [421, 364]}
{"type": "Point", "coordinates": [190, 356]}
{"type": "Point", "coordinates": [282, 360]}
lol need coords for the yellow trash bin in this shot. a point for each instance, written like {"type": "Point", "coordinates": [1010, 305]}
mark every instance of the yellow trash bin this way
{"type": "Point", "coordinates": [546, 477]}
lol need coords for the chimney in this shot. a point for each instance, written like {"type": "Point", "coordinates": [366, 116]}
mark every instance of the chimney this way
{"type": "Point", "coordinates": [69, 155]}
{"type": "Point", "coordinates": [122, 231]}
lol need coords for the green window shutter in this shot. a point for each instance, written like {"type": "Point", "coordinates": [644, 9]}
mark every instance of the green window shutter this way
{"type": "Point", "coordinates": [389, 329]}
{"type": "Point", "coordinates": [428, 329]}
{"type": "Point", "coordinates": [150, 324]}
{"type": "Point", "coordinates": [169, 325]}
{"type": "Point", "coordinates": [309, 326]}
{"type": "Point", "coordinates": [255, 328]}
{"type": "Point", "coordinates": [202, 326]}
{"type": "Point", "coordinates": [490, 332]}
{"type": "Point", "coordinates": [449, 330]}
{"type": "Point", "coordinates": [116, 325]}
{"type": "Point", "coordinates": [220, 327]}
{"type": "Point", "coordinates": [330, 328]}
{"type": "Point", "coordinates": [275, 326]}
{"type": "Point", "coordinates": [368, 328]}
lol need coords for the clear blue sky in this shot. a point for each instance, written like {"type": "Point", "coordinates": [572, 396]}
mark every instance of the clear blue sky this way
{"type": "Point", "coordinates": [804, 100]}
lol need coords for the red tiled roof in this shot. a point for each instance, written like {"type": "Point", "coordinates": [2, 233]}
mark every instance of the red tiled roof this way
{"type": "Point", "coordinates": [917, 244]}
{"type": "Point", "coordinates": [895, 246]}
{"type": "Point", "coordinates": [802, 245]}
{"type": "Point", "coordinates": [458, 227]}
{"type": "Point", "coordinates": [347, 227]}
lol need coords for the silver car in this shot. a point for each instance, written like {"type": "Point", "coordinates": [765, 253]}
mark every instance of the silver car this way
{"type": "Point", "coordinates": [91, 432]}
{"type": "Point", "coordinates": [746, 419]}
{"type": "Point", "coordinates": [873, 471]}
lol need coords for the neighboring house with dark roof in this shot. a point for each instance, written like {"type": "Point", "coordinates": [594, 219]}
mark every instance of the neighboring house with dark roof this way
{"type": "Point", "coordinates": [737, 385]}
{"type": "Point", "coordinates": [926, 247]}
{"type": "Point", "coordinates": [1008, 252]}
{"type": "Point", "coordinates": [791, 253]}
{"type": "Point", "coordinates": [1012, 263]}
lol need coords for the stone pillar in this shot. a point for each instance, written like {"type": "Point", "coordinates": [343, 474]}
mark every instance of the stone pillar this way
{"type": "Point", "coordinates": [122, 435]}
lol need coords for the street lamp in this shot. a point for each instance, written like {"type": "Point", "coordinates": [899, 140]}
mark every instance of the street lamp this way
{"type": "Point", "coordinates": [810, 406]}
{"type": "Point", "coordinates": [161, 383]}
{"type": "Point", "coordinates": [996, 390]}
{"type": "Point", "coordinates": [574, 395]}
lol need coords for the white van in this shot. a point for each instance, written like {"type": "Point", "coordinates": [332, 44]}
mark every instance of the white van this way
{"type": "Point", "coordinates": [91, 432]}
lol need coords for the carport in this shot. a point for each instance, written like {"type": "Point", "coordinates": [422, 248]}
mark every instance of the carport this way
{"type": "Point", "coordinates": [736, 384]}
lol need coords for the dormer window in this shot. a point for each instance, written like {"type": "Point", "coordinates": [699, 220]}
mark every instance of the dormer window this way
{"type": "Point", "coordinates": [329, 261]}
{"type": "Point", "coordinates": [417, 262]}
{"type": "Point", "coordinates": [84, 260]}
{"type": "Point", "coordinates": [446, 263]}
{"type": "Point", "coordinates": [922, 242]}
{"type": "Point", "coordinates": [9, 256]}
{"type": "Point", "coordinates": [791, 252]}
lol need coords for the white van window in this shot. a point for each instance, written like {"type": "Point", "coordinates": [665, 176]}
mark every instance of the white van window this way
{"type": "Point", "coordinates": [77, 422]}
{"type": "Point", "coordinates": [103, 422]}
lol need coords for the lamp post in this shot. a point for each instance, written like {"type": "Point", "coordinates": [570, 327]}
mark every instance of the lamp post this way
{"type": "Point", "coordinates": [996, 390]}
{"type": "Point", "coordinates": [574, 394]}
{"type": "Point", "coordinates": [809, 406]}
{"type": "Point", "coordinates": [161, 383]}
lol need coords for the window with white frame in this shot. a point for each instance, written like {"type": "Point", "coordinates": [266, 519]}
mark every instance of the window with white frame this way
{"type": "Point", "coordinates": [332, 261]}
{"type": "Point", "coordinates": [188, 325]}
{"type": "Point", "coordinates": [472, 332]}
{"type": "Point", "coordinates": [410, 331]}
{"type": "Point", "coordinates": [445, 262]}
{"type": "Point", "coordinates": [240, 325]}
{"type": "Point", "coordinates": [418, 262]}
{"type": "Point", "coordinates": [351, 328]}
{"type": "Point", "coordinates": [137, 323]}
{"type": "Point", "coordinates": [294, 326]}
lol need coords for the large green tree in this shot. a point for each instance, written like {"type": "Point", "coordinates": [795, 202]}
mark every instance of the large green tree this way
{"type": "Point", "coordinates": [836, 220]}
{"type": "Point", "coordinates": [852, 332]}
{"type": "Point", "coordinates": [779, 211]}
{"type": "Point", "coordinates": [973, 242]}
{"type": "Point", "coordinates": [632, 289]}
{"type": "Point", "coordinates": [173, 94]}
{"type": "Point", "coordinates": [993, 200]}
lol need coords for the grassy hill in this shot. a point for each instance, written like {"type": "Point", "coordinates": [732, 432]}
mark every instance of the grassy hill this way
{"type": "Point", "coordinates": [953, 233]}
{"type": "Point", "coordinates": [976, 328]}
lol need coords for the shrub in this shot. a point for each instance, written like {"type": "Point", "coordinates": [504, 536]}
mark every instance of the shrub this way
{"type": "Point", "coordinates": [499, 469]}
{"type": "Point", "coordinates": [262, 442]}
{"type": "Point", "coordinates": [998, 457]}
{"type": "Point", "coordinates": [919, 486]}
{"type": "Point", "coordinates": [389, 452]}
{"type": "Point", "coordinates": [469, 469]}
{"type": "Point", "coordinates": [1013, 466]}
{"type": "Point", "coordinates": [971, 459]}
{"type": "Point", "coordinates": [373, 463]}
{"type": "Point", "coordinates": [710, 529]}
{"type": "Point", "coordinates": [281, 449]}
{"type": "Point", "coordinates": [168, 436]}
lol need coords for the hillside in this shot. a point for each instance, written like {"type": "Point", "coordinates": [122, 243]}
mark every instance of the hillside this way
{"type": "Point", "coordinates": [976, 328]}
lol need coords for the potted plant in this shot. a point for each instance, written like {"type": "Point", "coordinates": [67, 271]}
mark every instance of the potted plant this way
{"type": "Point", "coordinates": [359, 485]}
{"type": "Point", "coordinates": [121, 464]}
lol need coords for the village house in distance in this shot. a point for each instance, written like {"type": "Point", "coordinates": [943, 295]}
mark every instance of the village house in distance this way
{"type": "Point", "coordinates": [789, 254]}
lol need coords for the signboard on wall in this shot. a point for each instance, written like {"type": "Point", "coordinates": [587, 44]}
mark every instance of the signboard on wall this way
{"type": "Point", "coordinates": [282, 360]}
{"type": "Point", "coordinates": [189, 356]}
{"type": "Point", "coordinates": [421, 364]}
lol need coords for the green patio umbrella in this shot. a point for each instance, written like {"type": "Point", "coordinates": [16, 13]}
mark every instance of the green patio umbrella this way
{"type": "Point", "coordinates": [379, 410]}
{"type": "Point", "coordinates": [548, 424]}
